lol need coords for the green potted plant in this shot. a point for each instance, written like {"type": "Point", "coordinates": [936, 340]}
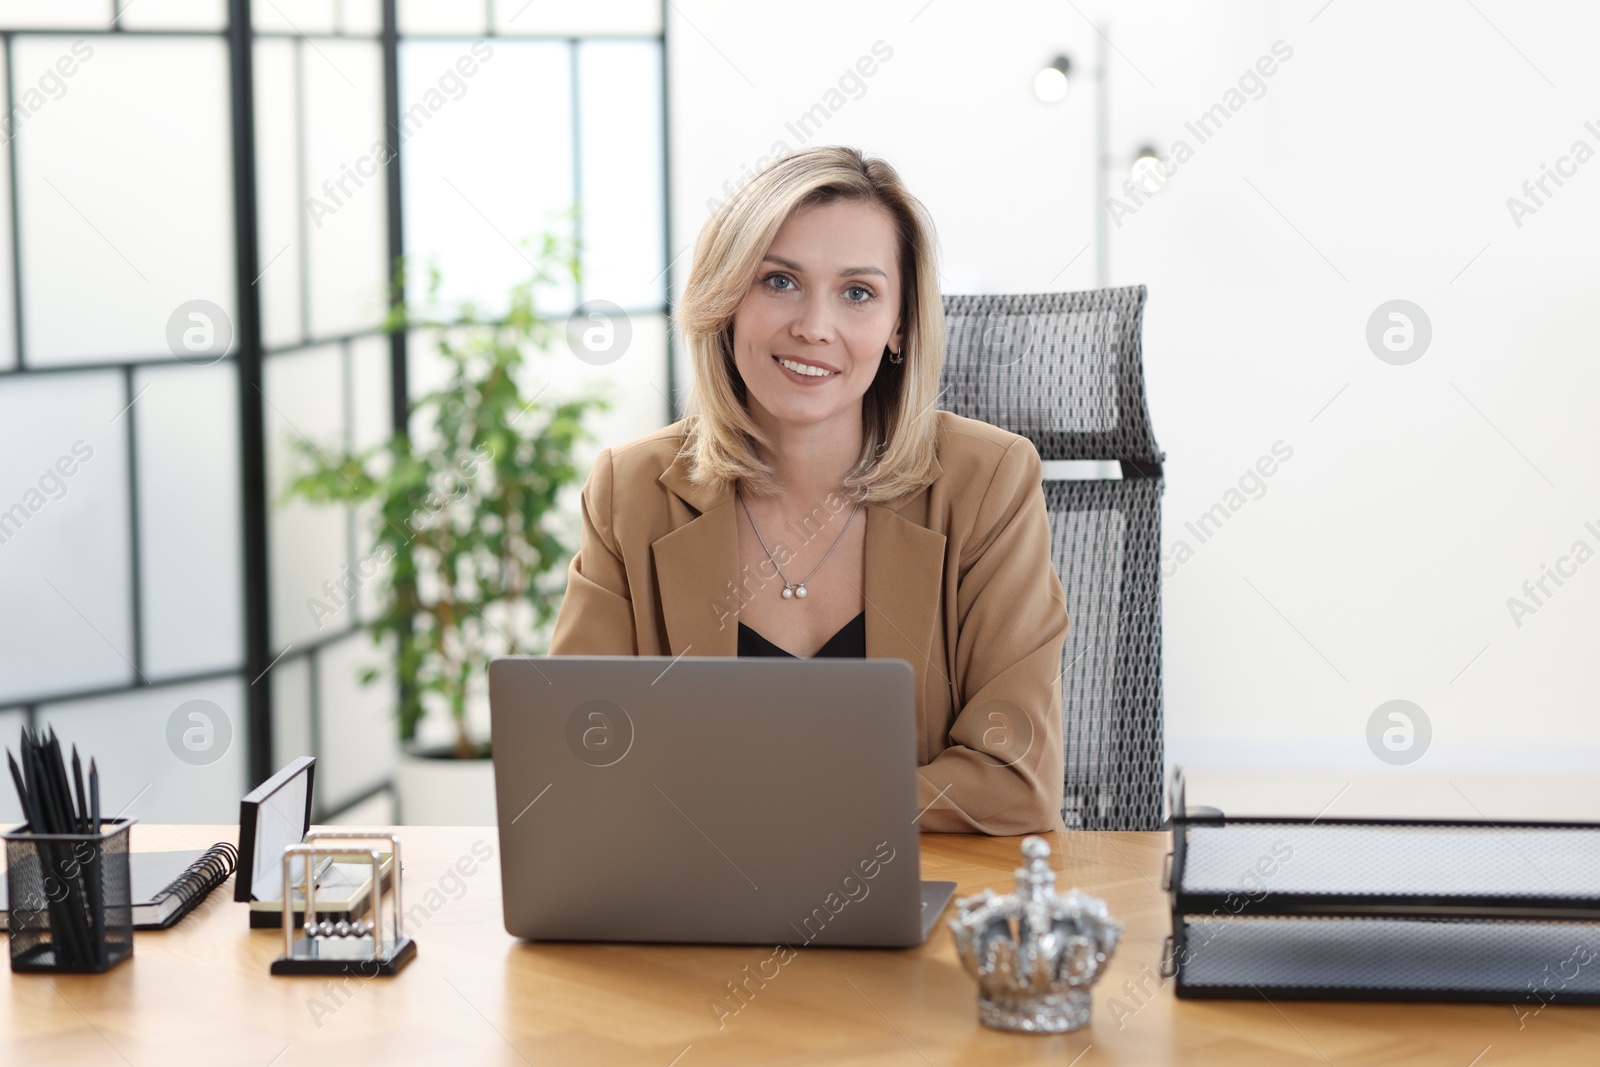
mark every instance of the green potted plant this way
{"type": "Point", "coordinates": [465, 501]}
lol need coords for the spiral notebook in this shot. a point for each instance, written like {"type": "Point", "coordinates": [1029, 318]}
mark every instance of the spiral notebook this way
{"type": "Point", "coordinates": [166, 886]}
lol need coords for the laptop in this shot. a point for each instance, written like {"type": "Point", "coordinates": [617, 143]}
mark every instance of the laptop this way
{"type": "Point", "coordinates": [709, 800]}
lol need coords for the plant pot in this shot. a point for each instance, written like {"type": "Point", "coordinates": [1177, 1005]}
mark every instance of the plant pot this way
{"type": "Point", "coordinates": [434, 788]}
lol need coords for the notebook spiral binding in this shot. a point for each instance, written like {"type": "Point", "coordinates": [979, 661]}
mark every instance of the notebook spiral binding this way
{"type": "Point", "coordinates": [202, 876]}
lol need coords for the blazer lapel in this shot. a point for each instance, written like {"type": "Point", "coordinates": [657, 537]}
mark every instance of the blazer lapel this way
{"type": "Point", "coordinates": [905, 567]}
{"type": "Point", "coordinates": [695, 569]}
{"type": "Point", "coordinates": [697, 572]}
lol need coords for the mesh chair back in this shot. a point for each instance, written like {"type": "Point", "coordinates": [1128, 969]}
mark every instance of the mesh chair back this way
{"type": "Point", "coordinates": [1065, 371]}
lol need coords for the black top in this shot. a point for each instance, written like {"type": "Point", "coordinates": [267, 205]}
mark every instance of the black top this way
{"type": "Point", "coordinates": [849, 643]}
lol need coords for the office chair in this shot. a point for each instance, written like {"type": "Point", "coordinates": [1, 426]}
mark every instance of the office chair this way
{"type": "Point", "coordinates": [1065, 371]}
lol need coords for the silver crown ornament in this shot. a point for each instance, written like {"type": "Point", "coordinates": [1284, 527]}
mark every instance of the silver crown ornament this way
{"type": "Point", "coordinates": [1033, 952]}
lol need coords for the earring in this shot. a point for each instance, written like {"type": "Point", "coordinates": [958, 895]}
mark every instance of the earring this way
{"type": "Point", "coordinates": [894, 357]}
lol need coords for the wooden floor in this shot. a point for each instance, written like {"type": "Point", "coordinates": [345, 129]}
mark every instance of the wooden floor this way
{"type": "Point", "coordinates": [201, 994]}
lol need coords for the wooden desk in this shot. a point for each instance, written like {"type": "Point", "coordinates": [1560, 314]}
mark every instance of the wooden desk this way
{"type": "Point", "coordinates": [200, 992]}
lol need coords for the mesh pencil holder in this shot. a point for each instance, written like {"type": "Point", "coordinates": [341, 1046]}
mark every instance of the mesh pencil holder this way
{"type": "Point", "coordinates": [71, 908]}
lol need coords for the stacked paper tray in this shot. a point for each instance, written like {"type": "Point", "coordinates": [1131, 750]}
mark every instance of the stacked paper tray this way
{"type": "Point", "coordinates": [1385, 909]}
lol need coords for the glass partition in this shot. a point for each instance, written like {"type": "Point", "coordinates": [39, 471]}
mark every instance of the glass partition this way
{"type": "Point", "coordinates": [197, 227]}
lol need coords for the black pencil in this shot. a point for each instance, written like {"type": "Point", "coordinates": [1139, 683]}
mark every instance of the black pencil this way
{"type": "Point", "coordinates": [90, 874]}
{"type": "Point", "coordinates": [83, 852]}
{"type": "Point", "coordinates": [16, 776]}
{"type": "Point", "coordinates": [72, 870]}
{"type": "Point", "coordinates": [77, 781]}
{"type": "Point", "coordinates": [99, 870]}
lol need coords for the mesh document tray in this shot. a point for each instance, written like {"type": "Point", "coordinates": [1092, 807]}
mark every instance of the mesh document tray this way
{"type": "Point", "coordinates": [1383, 909]}
{"type": "Point", "coordinates": [1521, 962]}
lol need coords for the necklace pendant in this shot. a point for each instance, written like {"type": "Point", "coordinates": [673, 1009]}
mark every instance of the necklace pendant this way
{"type": "Point", "coordinates": [788, 591]}
{"type": "Point", "coordinates": [800, 591]}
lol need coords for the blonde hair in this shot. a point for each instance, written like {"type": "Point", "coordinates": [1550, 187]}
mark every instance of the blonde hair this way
{"type": "Point", "coordinates": [899, 423]}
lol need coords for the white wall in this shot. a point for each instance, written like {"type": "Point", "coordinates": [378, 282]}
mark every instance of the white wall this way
{"type": "Point", "coordinates": [1375, 165]}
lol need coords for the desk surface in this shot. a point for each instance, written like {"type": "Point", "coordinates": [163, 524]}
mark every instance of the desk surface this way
{"type": "Point", "coordinates": [200, 992]}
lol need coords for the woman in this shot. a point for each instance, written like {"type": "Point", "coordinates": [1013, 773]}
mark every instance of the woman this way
{"type": "Point", "coordinates": [814, 501]}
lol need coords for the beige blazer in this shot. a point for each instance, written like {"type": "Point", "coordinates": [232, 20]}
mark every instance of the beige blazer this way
{"type": "Point", "coordinates": [959, 584]}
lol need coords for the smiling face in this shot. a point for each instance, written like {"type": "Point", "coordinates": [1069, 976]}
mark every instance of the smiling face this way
{"type": "Point", "coordinates": [827, 295]}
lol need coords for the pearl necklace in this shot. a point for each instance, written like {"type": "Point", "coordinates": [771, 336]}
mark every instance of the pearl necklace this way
{"type": "Point", "coordinates": [791, 591]}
